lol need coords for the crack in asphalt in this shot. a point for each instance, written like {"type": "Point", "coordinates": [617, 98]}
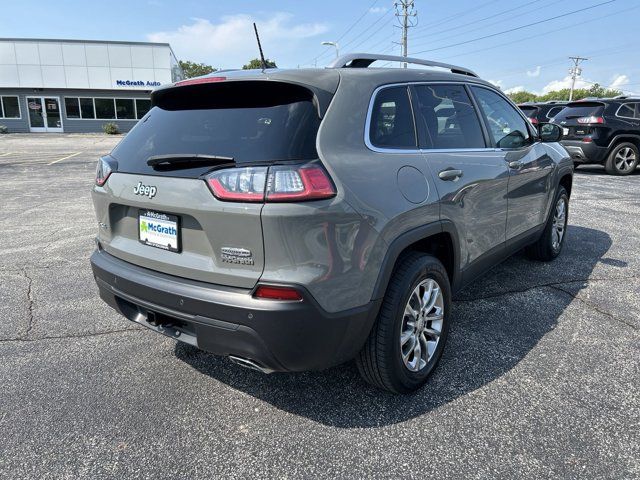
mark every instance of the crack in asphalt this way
{"type": "Point", "coordinates": [29, 305]}
{"type": "Point", "coordinates": [595, 307]}
{"type": "Point", "coordinates": [71, 335]}
{"type": "Point", "coordinates": [543, 285]}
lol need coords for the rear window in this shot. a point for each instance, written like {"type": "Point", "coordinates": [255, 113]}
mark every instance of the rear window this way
{"type": "Point", "coordinates": [252, 122]}
{"type": "Point", "coordinates": [581, 109]}
{"type": "Point", "coordinates": [529, 111]}
{"type": "Point", "coordinates": [554, 111]}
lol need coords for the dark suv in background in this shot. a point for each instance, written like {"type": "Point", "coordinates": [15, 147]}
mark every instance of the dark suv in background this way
{"type": "Point", "coordinates": [604, 131]}
{"type": "Point", "coordinates": [541, 112]}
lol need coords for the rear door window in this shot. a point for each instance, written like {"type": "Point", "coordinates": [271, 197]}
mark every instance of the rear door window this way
{"type": "Point", "coordinates": [447, 116]}
{"type": "Point", "coordinates": [391, 123]}
{"type": "Point", "coordinates": [248, 121]}
{"type": "Point", "coordinates": [506, 126]}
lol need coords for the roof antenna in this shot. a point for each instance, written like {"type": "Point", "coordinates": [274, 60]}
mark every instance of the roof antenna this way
{"type": "Point", "coordinates": [264, 64]}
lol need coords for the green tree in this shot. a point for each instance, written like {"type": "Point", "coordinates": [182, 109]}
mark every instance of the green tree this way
{"type": "Point", "coordinates": [193, 69]}
{"type": "Point", "coordinates": [256, 63]}
{"type": "Point", "coordinates": [578, 94]}
{"type": "Point", "coordinates": [523, 96]}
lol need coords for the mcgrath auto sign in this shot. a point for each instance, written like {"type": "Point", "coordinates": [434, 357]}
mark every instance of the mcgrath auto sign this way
{"type": "Point", "coordinates": [137, 83]}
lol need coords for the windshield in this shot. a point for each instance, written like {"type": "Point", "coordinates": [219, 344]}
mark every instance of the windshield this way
{"type": "Point", "coordinates": [245, 131]}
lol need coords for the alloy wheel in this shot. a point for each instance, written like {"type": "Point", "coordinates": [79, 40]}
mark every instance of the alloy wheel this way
{"type": "Point", "coordinates": [559, 223]}
{"type": "Point", "coordinates": [422, 325]}
{"type": "Point", "coordinates": [625, 159]}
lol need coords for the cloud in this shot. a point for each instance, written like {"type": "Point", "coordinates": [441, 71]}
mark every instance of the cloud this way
{"type": "Point", "coordinates": [231, 42]}
{"type": "Point", "coordinates": [565, 83]}
{"type": "Point", "coordinates": [378, 10]}
{"type": "Point", "coordinates": [619, 81]}
{"type": "Point", "coordinates": [535, 72]}
{"type": "Point", "coordinates": [516, 89]}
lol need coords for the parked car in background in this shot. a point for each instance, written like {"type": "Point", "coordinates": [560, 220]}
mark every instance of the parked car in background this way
{"type": "Point", "coordinates": [297, 219]}
{"type": "Point", "coordinates": [541, 112]}
{"type": "Point", "coordinates": [605, 131]}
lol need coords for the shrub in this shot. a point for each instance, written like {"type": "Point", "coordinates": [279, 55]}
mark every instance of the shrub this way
{"type": "Point", "coordinates": [3, 129]}
{"type": "Point", "coordinates": [111, 128]}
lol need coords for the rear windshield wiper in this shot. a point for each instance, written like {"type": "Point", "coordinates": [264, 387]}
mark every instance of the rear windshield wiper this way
{"type": "Point", "coordinates": [174, 161]}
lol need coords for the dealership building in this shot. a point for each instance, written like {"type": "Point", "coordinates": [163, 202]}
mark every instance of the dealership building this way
{"type": "Point", "coordinates": [79, 85]}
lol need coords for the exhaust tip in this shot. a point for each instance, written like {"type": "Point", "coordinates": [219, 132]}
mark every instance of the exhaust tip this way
{"type": "Point", "coordinates": [246, 363]}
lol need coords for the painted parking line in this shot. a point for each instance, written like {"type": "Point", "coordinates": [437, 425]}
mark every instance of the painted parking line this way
{"type": "Point", "coordinates": [65, 158]}
{"type": "Point", "coordinates": [5, 154]}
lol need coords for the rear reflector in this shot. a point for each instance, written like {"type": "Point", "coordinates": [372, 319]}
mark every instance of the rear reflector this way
{"type": "Point", "coordinates": [591, 120]}
{"type": "Point", "coordinates": [277, 293]}
{"type": "Point", "coordinates": [199, 80]}
{"type": "Point", "coordinates": [278, 183]}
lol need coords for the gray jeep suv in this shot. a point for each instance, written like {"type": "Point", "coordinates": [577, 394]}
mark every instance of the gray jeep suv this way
{"type": "Point", "coordinates": [297, 219]}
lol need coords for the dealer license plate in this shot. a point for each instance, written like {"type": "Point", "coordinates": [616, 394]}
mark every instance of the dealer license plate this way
{"type": "Point", "coordinates": [159, 230]}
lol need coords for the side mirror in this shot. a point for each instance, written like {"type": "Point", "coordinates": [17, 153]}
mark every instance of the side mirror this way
{"type": "Point", "coordinates": [550, 132]}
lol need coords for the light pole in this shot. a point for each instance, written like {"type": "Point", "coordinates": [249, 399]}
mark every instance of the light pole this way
{"type": "Point", "coordinates": [333, 44]}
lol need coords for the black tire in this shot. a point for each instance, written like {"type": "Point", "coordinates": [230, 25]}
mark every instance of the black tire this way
{"type": "Point", "coordinates": [614, 165]}
{"type": "Point", "coordinates": [380, 360]}
{"type": "Point", "coordinates": [544, 249]}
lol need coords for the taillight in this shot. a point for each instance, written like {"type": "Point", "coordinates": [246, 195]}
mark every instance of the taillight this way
{"type": "Point", "coordinates": [591, 119]}
{"type": "Point", "coordinates": [294, 183]}
{"type": "Point", "coordinates": [533, 120]}
{"type": "Point", "coordinates": [239, 184]}
{"type": "Point", "coordinates": [277, 293]}
{"type": "Point", "coordinates": [103, 170]}
{"type": "Point", "coordinates": [278, 183]}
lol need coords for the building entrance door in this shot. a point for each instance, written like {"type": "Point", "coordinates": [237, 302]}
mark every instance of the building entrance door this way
{"type": "Point", "coordinates": [44, 114]}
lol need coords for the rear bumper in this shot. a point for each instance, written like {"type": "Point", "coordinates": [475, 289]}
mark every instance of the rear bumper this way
{"type": "Point", "coordinates": [277, 335]}
{"type": "Point", "coordinates": [584, 152]}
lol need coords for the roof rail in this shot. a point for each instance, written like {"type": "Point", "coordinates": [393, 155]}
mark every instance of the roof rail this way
{"type": "Point", "coordinates": [363, 60]}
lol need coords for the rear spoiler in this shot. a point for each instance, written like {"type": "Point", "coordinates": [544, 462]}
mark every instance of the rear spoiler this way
{"type": "Point", "coordinates": [218, 91]}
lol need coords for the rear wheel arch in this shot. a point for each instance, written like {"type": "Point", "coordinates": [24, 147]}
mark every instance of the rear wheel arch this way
{"type": "Point", "coordinates": [623, 138]}
{"type": "Point", "coordinates": [567, 182]}
{"type": "Point", "coordinates": [439, 239]}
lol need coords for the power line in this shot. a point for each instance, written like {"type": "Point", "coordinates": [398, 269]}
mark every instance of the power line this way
{"type": "Point", "coordinates": [347, 30]}
{"type": "Point", "coordinates": [511, 18]}
{"type": "Point", "coordinates": [541, 34]}
{"type": "Point", "coordinates": [366, 30]}
{"type": "Point", "coordinates": [458, 14]}
{"type": "Point", "coordinates": [517, 28]}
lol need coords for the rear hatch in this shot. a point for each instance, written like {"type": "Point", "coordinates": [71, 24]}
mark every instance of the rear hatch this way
{"type": "Point", "coordinates": [531, 112]}
{"type": "Point", "coordinates": [157, 208]}
{"type": "Point", "coordinates": [580, 119]}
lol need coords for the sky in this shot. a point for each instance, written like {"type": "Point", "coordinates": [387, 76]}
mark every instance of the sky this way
{"type": "Point", "coordinates": [517, 44]}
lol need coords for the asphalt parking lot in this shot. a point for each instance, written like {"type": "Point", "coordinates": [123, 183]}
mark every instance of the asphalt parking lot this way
{"type": "Point", "coordinates": [540, 378]}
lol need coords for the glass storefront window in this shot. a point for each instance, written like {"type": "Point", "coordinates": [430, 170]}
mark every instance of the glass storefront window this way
{"type": "Point", "coordinates": [142, 107]}
{"type": "Point", "coordinates": [72, 107]}
{"type": "Point", "coordinates": [105, 108]}
{"type": "Point", "coordinates": [9, 107]}
{"type": "Point", "coordinates": [125, 109]}
{"type": "Point", "coordinates": [86, 108]}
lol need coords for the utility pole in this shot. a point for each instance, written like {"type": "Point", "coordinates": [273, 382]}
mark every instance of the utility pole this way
{"type": "Point", "coordinates": [575, 72]}
{"type": "Point", "coordinates": [407, 16]}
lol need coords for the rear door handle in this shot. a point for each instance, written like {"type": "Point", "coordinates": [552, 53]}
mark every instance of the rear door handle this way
{"type": "Point", "coordinates": [450, 174]}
